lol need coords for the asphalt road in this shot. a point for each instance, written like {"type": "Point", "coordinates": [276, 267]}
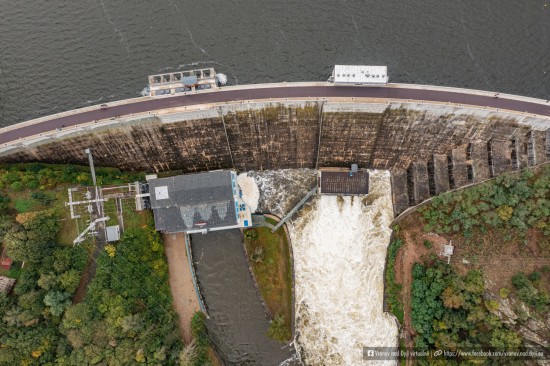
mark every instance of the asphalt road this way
{"type": "Point", "coordinates": [276, 92]}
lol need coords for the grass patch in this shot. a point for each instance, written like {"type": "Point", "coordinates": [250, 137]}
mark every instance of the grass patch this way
{"type": "Point", "coordinates": [393, 289]}
{"type": "Point", "coordinates": [109, 208]}
{"type": "Point", "coordinates": [23, 205]}
{"type": "Point", "coordinates": [13, 272]}
{"type": "Point", "coordinates": [136, 219]}
{"type": "Point", "coordinates": [269, 257]}
{"type": "Point", "coordinates": [271, 221]}
{"type": "Point", "coordinates": [67, 232]}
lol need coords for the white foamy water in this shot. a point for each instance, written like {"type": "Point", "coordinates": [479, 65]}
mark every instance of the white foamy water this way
{"type": "Point", "coordinates": [281, 189]}
{"type": "Point", "coordinates": [251, 193]}
{"type": "Point", "coordinates": [339, 246]}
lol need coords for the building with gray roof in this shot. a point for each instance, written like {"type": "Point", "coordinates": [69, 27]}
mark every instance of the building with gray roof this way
{"type": "Point", "coordinates": [198, 202]}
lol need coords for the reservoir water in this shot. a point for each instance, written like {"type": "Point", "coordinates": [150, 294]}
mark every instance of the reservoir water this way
{"type": "Point", "coordinates": [58, 55]}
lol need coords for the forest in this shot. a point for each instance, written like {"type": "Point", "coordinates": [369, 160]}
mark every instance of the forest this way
{"type": "Point", "coordinates": [495, 289]}
{"type": "Point", "coordinates": [125, 316]}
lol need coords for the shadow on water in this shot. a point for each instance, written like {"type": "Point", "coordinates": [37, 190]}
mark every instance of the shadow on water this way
{"type": "Point", "coordinates": [238, 322]}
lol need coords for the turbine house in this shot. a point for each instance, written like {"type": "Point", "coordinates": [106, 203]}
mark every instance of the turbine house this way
{"type": "Point", "coordinates": [198, 203]}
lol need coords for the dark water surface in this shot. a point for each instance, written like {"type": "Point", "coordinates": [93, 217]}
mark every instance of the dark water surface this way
{"type": "Point", "coordinates": [57, 55]}
{"type": "Point", "coordinates": [237, 323]}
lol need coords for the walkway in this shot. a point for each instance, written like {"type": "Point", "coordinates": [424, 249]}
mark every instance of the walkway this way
{"type": "Point", "coordinates": [181, 283]}
{"type": "Point", "coordinates": [276, 91]}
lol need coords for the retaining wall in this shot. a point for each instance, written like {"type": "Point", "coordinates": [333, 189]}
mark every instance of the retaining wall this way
{"type": "Point", "coordinates": [413, 140]}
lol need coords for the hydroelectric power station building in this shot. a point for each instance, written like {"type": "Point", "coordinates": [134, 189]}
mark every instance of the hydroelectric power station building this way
{"type": "Point", "coordinates": [198, 203]}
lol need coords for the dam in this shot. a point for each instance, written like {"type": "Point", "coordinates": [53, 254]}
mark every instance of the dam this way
{"type": "Point", "coordinates": [432, 139]}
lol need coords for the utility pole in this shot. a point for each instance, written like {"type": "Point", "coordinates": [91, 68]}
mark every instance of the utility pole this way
{"type": "Point", "coordinates": [91, 161]}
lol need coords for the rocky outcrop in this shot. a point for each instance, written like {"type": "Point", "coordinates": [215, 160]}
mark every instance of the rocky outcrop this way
{"type": "Point", "coordinates": [514, 313]}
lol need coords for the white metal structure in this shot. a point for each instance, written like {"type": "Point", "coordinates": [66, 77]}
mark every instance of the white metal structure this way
{"type": "Point", "coordinates": [447, 251]}
{"type": "Point", "coordinates": [359, 75]}
{"type": "Point", "coordinates": [113, 233]}
{"type": "Point", "coordinates": [80, 238]}
{"type": "Point", "coordinates": [72, 203]}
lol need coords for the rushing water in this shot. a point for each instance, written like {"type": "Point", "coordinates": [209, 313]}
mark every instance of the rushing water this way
{"type": "Point", "coordinates": [281, 189]}
{"type": "Point", "coordinates": [339, 246]}
{"type": "Point", "coordinates": [57, 55]}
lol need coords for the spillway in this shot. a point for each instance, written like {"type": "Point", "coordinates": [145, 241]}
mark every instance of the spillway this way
{"type": "Point", "coordinates": [339, 246]}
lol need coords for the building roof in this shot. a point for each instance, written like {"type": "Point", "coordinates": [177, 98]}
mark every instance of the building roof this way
{"type": "Point", "coordinates": [194, 201]}
{"type": "Point", "coordinates": [360, 74]}
{"type": "Point", "coordinates": [6, 284]}
{"type": "Point", "coordinates": [189, 80]}
{"type": "Point", "coordinates": [341, 183]}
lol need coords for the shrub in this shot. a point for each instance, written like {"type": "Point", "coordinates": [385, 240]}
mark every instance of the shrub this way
{"type": "Point", "coordinates": [251, 234]}
{"type": "Point", "coordinates": [504, 292]}
{"type": "Point", "coordinates": [428, 244]}
{"type": "Point", "coordinates": [535, 276]}
{"type": "Point", "coordinates": [32, 184]}
{"type": "Point", "coordinates": [257, 255]}
{"type": "Point", "coordinates": [16, 186]}
{"type": "Point", "coordinates": [111, 250]}
{"type": "Point", "coordinates": [393, 289]}
{"type": "Point", "coordinates": [520, 281]}
{"type": "Point", "coordinates": [23, 205]}
{"type": "Point", "coordinates": [491, 305]}
{"type": "Point", "coordinates": [198, 330]}
{"type": "Point", "coordinates": [277, 329]}
{"type": "Point", "coordinates": [505, 212]}
{"type": "Point", "coordinates": [41, 198]}
{"type": "Point", "coordinates": [4, 203]}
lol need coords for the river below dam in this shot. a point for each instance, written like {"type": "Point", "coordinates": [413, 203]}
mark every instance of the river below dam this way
{"type": "Point", "coordinates": [59, 55]}
{"type": "Point", "coordinates": [339, 248]}
{"type": "Point", "coordinates": [237, 323]}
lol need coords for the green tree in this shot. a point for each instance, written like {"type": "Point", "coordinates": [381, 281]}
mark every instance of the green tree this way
{"type": "Point", "coordinates": [77, 316]}
{"type": "Point", "coordinates": [505, 339]}
{"type": "Point", "coordinates": [70, 280]}
{"type": "Point", "coordinates": [57, 301]}
{"type": "Point", "coordinates": [47, 281]}
{"type": "Point", "coordinates": [6, 224]}
{"type": "Point", "coordinates": [33, 239]}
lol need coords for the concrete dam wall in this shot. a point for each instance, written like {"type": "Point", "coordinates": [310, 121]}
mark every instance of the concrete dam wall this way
{"type": "Point", "coordinates": [430, 148]}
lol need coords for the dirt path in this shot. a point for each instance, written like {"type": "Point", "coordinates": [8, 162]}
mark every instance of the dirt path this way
{"type": "Point", "coordinates": [181, 282]}
{"type": "Point", "coordinates": [89, 271]}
